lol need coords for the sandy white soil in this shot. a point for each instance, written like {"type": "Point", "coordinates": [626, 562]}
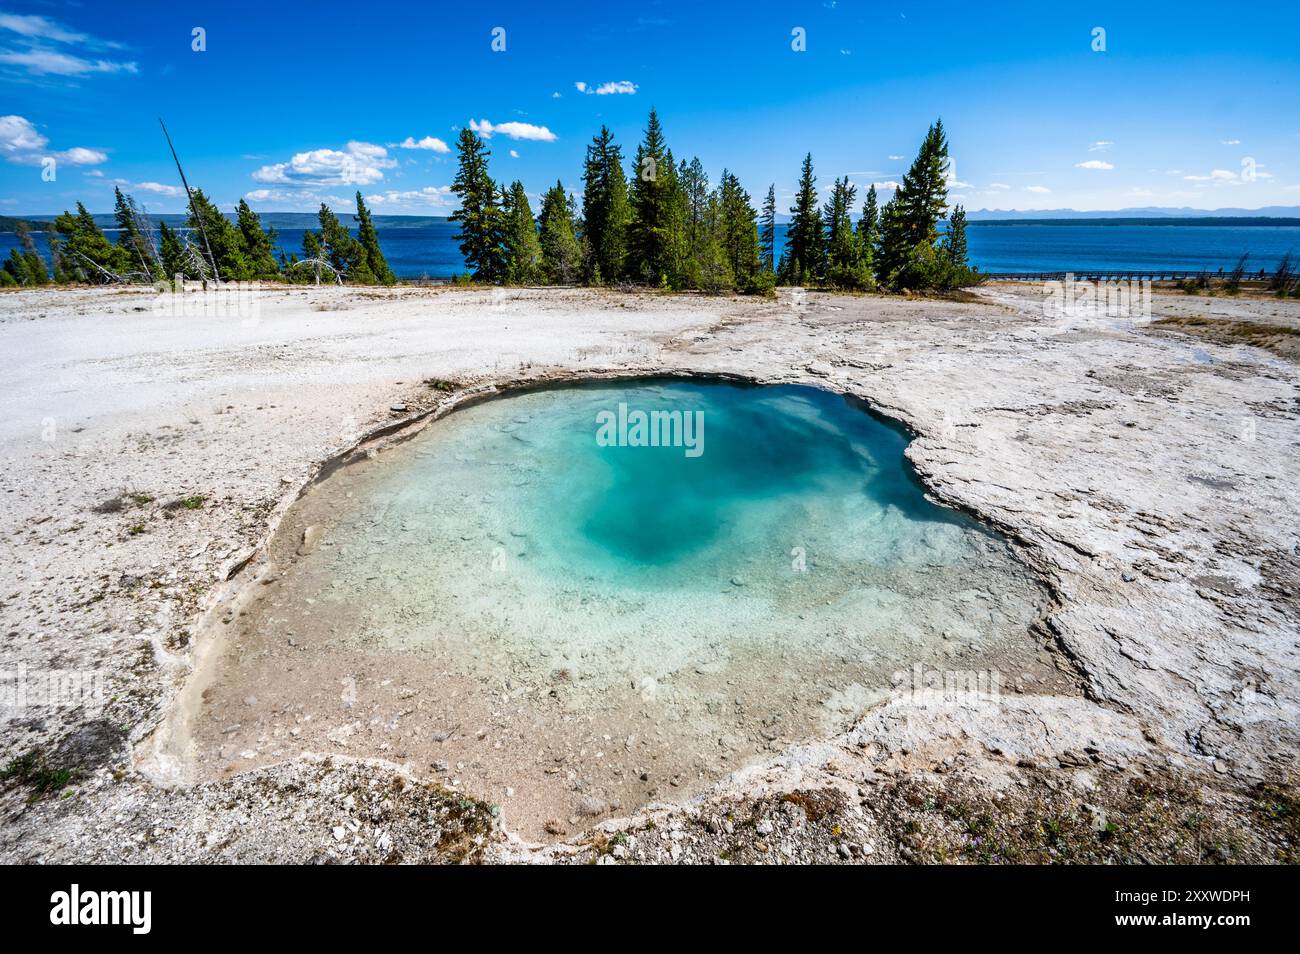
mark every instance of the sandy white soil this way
{"type": "Point", "coordinates": [1149, 477]}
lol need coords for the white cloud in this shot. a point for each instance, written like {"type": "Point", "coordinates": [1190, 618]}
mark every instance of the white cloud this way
{"type": "Point", "coordinates": [898, 158]}
{"type": "Point", "coordinates": [430, 197]}
{"type": "Point", "coordinates": [1230, 142]}
{"type": "Point", "coordinates": [1216, 175]}
{"type": "Point", "coordinates": [432, 143]}
{"type": "Point", "coordinates": [18, 137]}
{"type": "Point", "coordinates": [1093, 164]}
{"type": "Point", "coordinates": [359, 163]}
{"type": "Point", "coordinates": [23, 143]}
{"type": "Point", "coordinates": [46, 47]}
{"type": "Point", "coordinates": [889, 185]}
{"type": "Point", "coordinates": [1101, 145]}
{"type": "Point", "coordinates": [998, 185]}
{"type": "Point", "coordinates": [39, 61]}
{"type": "Point", "coordinates": [555, 95]}
{"type": "Point", "coordinates": [514, 130]}
{"type": "Point", "coordinates": [81, 156]}
{"type": "Point", "coordinates": [614, 88]}
{"type": "Point", "coordinates": [514, 153]}
{"type": "Point", "coordinates": [1037, 189]}
{"type": "Point", "coordinates": [158, 188]}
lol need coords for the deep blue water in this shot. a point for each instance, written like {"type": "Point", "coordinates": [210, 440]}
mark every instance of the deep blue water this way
{"type": "Point", "coordinates": [430, 251]}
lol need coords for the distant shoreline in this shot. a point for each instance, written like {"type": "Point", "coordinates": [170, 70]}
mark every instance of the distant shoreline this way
{"type": "Point", "coordinates": [297, 220]}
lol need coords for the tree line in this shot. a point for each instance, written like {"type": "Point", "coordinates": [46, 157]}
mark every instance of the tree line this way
{"type": "Point", "coordinates": [209, 246]}
{"type": "Point", "coordinates": [663, 224]}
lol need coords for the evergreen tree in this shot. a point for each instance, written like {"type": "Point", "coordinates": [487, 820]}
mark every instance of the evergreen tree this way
{"type": "Point", "coordinates": [171, 254]}
{"type": "Point", "coordinates": [523, 250]}
{"type": "Point", "coordinates": [656, 245]}
{"type": "Point", "coordinates": [804, 241]}
{"type": "Point", "coordinates": [919, 205]}
{"type": "Point", "coordinates": [869, 231]}
{"type": "Point", "coordinates": [87, 255]}
{"type": "Point", "coordinates": [259, 245]}
{"type": "Point", "coordinates": [132, 237]}
{"type": "Point", "coordinates": [561, 254]}
{"type": "Point", "coordinates": [695, 189]}
{"type": "Point", "coordinates": [368, 236]}
{"type": "Point", "coordinates": [954, 242]}
{"type": "Point", "coordinates": [226, 241]}
{"type": "Point", "coordinates": [25, 265]}
{"type": "Point", "coordinates": [710, 269]}
{"type": "Point", "coordinates": [479, 215]}
{"type": "Point", "coordinates": [843, 254]}
{"type": "Point", "coordinates": [605, 211]}
{"type": "Point", "coordinates": [342, 251]}
{"type": "Point", "coordinates": [767, 236]}
{"type": "Point", "coordinates": [739, 229]}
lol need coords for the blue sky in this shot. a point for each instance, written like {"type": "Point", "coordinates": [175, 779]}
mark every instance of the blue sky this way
{"type": "Point", "coordinates": [1190, 104]}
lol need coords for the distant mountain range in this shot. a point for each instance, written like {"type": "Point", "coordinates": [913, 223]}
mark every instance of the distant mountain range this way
{"type": "Point", "coordinates": [1143, 212]}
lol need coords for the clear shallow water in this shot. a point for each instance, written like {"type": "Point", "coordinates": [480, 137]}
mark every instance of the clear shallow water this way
{"type": "Point", "coordinates": [633, 614]}
{"type": "Point", "coordinates": [432, 252]}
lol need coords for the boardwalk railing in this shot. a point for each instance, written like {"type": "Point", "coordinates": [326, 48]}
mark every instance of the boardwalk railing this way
{"type": "Point", "coordinates": [1107, 276]}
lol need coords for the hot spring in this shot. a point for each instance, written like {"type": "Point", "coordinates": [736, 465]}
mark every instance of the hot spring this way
{"type": "Point", "coordinates": [573, 601]}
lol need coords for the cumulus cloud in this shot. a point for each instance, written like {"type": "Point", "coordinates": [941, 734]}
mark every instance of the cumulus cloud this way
{"type": "Point", "coordinates": [81, 156]}
{"type": "Point", "coordinates": [46, 47]}
{"type": "Point", "coordinates": [158, 188]}
{"type": "Point", "coordinates": [1093, 164]}
{"type": "Point", "coordinates": [22, 143]}
{"type": "Point", "coordinates": [514, 130]}
{"type": "Point", "coordinates": [358, 163]}
{"type": "Point", "coordinates": [430, 197]}
{"type": "Point", "coordinates": [432, 143]}
{"type": "Point", "coordinates": [616, 88]}
{"type": "Point", "coordinates": [1037, 189]}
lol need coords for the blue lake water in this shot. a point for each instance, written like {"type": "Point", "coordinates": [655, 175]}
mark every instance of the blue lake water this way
{"type": "Point", "coordinates": [431, 251]}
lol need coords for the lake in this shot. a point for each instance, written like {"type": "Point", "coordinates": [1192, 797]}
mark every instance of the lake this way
{"type": "Point", "coordinates": [430, 251]}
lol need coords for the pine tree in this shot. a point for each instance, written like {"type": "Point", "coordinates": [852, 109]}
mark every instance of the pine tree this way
{"type": "Point", "coordinates": [767, 236]}
{"type": "Point", "coordinates": [921, 199]}
{"type": "Point", "coordinates": [87, 255]}
{"type": "Point", "coordinates": [131, 236]}
{"type": "Point", "coordinates": [226, 241]}
{"type": "Point", "coordinates": [561, 254]}
{"type": "Point", "coordinates": [479, 215]}
{"type": "Point", "coordinates": [893, 249]}
{"type": "Point", "coordinates": [605, 211]}
{"type": "Point", "coordinates": [656, 245]}
{"type": "Point", "coordinates": [523, 250]}
{"type": "Point", "coordinates": [368, 236]}
{"type": "Point", "coordinates": [171, 254]}
{"type": "Point", "coordinates": [695, 188]}
{"type": "Point", "coordinates": [25, 264]}
{"type": "Point", "coordinates": [804, 241]}
{"type": "Point", "coordinates": [954, 242]}
{"type": "Point", "coordinates": [259, 245]}
{"type": "Point", "coordinates": [869, 232]}
{"type": "Point", "coordinates": [739, 229]}
{"type": "Point", "coordinates": [342, 251]}
{"type": "Point", "coordinates": [843, 254]}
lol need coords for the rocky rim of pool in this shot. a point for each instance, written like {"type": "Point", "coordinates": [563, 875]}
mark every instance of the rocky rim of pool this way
{"type": "Point", "coordinates": [565, 679]}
